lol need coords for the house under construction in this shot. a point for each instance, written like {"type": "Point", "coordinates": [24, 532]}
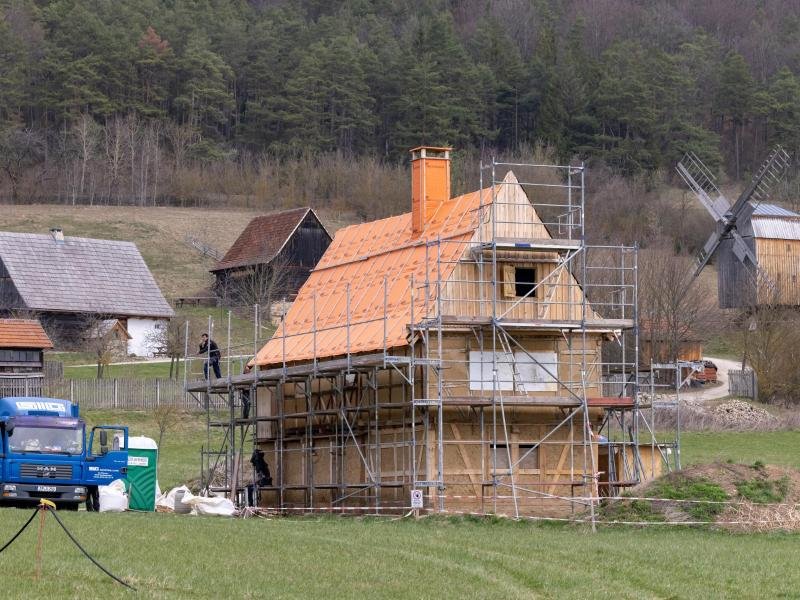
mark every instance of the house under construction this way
{"type": "Point", "coordinates": [472, 350]}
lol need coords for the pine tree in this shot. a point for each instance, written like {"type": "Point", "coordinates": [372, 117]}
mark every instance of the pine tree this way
{"type": "Point", "coordinates": [204, 98]}
{"type": "Point", "coordinates": [734, 101]}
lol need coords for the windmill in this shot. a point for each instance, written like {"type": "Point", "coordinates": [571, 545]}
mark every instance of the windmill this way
{"type": "Point", "coordinates": [757, 244]}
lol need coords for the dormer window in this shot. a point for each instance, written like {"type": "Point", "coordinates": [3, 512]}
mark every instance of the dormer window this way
{"type": "Point", "coordinates": [519, 281]}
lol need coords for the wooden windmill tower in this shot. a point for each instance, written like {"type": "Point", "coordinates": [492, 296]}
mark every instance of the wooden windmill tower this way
{"type": "Point", "coordinates": [757, 244]}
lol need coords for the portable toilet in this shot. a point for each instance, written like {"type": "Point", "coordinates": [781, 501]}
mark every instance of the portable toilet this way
{"type": "Point", "coordinates": [142, 473]}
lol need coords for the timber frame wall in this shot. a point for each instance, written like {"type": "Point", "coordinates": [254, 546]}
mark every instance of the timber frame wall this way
{"type": "Point", "coordinates": [499, 404]}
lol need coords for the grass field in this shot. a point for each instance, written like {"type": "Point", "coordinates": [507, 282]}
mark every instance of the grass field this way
{"type": "Point", "coordinates": [180, 556]}
{"type": "Point", "coordinates": [770, 447]}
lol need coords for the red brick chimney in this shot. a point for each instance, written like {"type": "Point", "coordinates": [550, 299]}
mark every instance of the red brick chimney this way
{"type": "Point", "coordinates": [430, 183]}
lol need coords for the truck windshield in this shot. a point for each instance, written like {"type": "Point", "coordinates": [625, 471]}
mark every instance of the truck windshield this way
{"type": "Point", "coordinates": [46, 440]}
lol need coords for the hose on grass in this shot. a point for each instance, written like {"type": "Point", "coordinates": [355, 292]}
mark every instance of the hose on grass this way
{"type": "Point", "coordinates": [87, 555]}
{"type": "Point", "coordinates": [47, 506]}
{"type": "Point", "coordinates": [23, 528]}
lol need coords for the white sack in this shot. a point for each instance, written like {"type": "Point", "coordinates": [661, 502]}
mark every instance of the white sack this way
{"type": "Point", "coordinates": [113, 497]}
{"type": "Point", "coordinates": [168, 500]}
{"type": "Point", "coordinates": [202, 505]}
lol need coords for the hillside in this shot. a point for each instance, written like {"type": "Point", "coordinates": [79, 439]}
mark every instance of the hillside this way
{"type": "Point", "coordinates": [160, 234]}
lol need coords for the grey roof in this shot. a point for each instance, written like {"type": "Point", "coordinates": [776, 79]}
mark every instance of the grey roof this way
{"type": "Point", "coordinates": [773, 210]}
{"type": "Point", "coordinates": [776, 228]}
{"type": "Point", "coordinates": [81, 275]}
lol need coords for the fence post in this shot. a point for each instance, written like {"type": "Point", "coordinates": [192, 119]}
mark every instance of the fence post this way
{"type": "Point", "coordinates": [72, 391]}
{"type": "Point", "coordinates": [755, 385]}
{"type": "Point", "coordinates": [115, 393]}
{"type": "Point", "coordinates": [158, 392]}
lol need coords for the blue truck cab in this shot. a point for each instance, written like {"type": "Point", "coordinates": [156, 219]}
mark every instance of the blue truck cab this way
{"type": "Point", "coordinates": [46, 453]}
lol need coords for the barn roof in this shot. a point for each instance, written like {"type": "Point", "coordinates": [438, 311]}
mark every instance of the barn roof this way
{"type": "Point", "coordinates": [356, 264]}
{"type": "Point", "coordinates": [23, 333]}
{"type": "Point", "coordinates": [263, 238]}
{"type": "Point", "coordinates": [81, 275]}
{"type": "Point", "coordinates": [775, 222]}
{"type": "Point", "coordinates": [773, 210]}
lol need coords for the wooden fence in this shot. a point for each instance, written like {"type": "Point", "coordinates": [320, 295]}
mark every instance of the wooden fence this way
{"type": "Point", "coordinates": [121, 394]}
{"type": "Point", "coordinates": [743, 384]}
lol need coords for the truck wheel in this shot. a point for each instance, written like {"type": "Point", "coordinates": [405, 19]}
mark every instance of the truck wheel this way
{"type": "Point", "coordinates": [93, 500]}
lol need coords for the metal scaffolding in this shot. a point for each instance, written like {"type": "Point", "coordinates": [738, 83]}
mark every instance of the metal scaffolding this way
{"type": "Point", "coordinates": [512, 396]}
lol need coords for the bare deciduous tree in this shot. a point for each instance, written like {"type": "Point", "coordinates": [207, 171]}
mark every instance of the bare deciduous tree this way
{"type": "Point", "coordinates": [166, 417]}
{"type": "Point", "coordinates": [169, 341]}
{"type": "Point", "coordinates": [20, 148]}
{"type": "Point", "coordinates": [100, 338]}
{"type": "Point", "coordinates": [673, 308]}
{"type": "Point", "coordinates": [262, 284]}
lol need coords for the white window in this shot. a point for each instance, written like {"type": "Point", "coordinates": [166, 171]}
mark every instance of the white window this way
{"type": "Point", "coordinates": [537, 371]}
{"type": "Point", "coordinates": [526, 372]}
{"type": "Point", "coordinates": [481, 369]}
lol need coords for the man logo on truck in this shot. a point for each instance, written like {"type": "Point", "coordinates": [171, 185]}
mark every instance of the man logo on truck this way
{"type": "Point", "coordinates": [48, 406]}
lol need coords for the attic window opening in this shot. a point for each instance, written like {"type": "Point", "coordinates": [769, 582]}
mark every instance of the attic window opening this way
{"type": "Point", "coordinates": [525, 282]}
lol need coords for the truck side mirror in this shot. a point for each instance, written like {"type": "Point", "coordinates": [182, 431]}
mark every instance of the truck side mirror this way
{"type": "Point", "coordinates": [103, 441]}
{"type": "Point", "coordinates": [9, 429]}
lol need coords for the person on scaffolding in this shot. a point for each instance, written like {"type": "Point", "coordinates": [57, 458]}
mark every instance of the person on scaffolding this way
{"type": "Point", "coordinates": [210, 350]}
{"type": "Point", "coordinates": [261, 476]}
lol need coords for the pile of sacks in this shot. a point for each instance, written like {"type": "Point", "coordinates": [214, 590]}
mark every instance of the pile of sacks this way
{"type": "Point", "coordinates": [181, 500]}
{"type": "Point", "coordinates": [735, 413]}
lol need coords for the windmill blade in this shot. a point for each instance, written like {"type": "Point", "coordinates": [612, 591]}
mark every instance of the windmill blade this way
{"type": "Point", "coordinates": [702, 182]}
{"type": "Point", "coordinates": [741, 250]}
{"type": "Point", "coordinates": [770, 173]}
{"type": "Point", "coordinates": [706, 253]}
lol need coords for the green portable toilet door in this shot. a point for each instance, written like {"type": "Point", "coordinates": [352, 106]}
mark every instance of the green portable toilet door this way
{"type": "Point", "coordinates": [142, 473]}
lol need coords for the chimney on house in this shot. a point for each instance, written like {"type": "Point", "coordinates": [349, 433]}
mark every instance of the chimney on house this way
{"type": "Point", "coordinates": [57, 233]}
{"type": "Point", "coordinates": [430, 183]}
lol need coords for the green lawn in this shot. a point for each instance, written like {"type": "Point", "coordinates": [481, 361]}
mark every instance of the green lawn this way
{"type": "Point", "coordinates": [770, 447]}
{"type": "Point", "coordinates": [180, 556]}
{"type": "Point", "coordinates": [147, 370]}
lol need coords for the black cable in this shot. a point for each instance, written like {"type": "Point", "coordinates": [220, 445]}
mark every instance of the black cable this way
{"type": "Point", "coordinates": [16, 535]}
{"type": "Point", "coordinates": [85, 553]}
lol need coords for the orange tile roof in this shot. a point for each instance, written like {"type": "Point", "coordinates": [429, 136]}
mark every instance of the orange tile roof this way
{"type": "Point", "coordinates": [361, 257]}
{"type": "Point", "coordinates": [23, 333]}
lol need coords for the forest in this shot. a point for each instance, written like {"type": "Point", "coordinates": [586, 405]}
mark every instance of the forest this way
{"type": "Point", "coordinates": [235, 102]}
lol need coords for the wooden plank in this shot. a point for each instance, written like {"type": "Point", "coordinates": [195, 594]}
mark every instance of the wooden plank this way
{"type": "Point", "coordinates": [559, 467]}
{"type": "Point", "coordinates": [467, 462]}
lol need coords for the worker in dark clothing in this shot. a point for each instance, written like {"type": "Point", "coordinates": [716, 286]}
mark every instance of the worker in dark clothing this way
{"type": "Point", "coordinates": [261, 475]}
{"type": "Point", "coordinates": [210, 350]}
{"type": "Point", "coordinates": [245, 397]}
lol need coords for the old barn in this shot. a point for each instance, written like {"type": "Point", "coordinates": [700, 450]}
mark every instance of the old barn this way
{"type": "Point", "coordinates": [272, 257]}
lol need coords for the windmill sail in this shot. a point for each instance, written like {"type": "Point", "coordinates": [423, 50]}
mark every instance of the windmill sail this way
{"type": "Point", "coordinates": [702, 182]}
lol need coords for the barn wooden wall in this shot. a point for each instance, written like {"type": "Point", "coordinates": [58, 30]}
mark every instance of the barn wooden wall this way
{"type": "Point", "coordinates": [780, 259]}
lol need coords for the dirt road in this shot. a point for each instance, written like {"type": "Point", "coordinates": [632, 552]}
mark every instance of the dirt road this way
{"type": "Point", "coordinates": [720, 390]}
